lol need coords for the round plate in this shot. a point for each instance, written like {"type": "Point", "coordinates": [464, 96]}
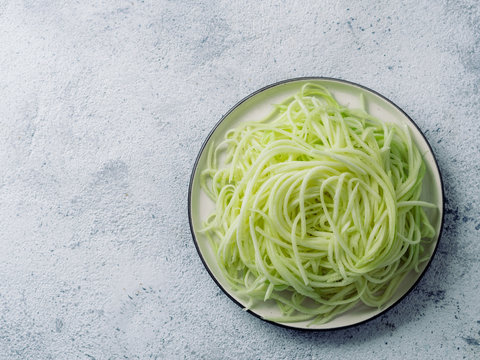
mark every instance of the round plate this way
{"type": "Point", "coordinates": [260, 104]}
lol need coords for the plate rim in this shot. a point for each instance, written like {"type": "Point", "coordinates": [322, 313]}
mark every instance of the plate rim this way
{"type": "Point", "coordinates": [207, 139]}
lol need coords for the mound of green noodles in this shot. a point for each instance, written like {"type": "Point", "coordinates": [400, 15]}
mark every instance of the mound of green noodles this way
{"type": "Point", "coordinates": [317, 207]}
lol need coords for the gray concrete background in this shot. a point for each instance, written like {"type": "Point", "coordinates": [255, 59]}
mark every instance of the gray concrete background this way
{"type": "Point", "coordinates": [103, 108]}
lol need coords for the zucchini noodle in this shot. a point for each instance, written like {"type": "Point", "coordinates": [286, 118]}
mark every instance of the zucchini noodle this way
{"type": "Point", "coordinates": [317, 208]}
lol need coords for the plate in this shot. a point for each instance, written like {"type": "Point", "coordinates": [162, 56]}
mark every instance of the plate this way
{"type": "Point", "coordinates": [260, 104]}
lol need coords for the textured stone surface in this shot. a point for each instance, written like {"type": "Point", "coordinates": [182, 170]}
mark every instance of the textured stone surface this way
{"type": "Point", "coordinates": [103, 108]}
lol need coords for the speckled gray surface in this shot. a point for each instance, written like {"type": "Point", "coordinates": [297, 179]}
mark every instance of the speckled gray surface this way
{"type": "Point", "coordinates": [103, 108]}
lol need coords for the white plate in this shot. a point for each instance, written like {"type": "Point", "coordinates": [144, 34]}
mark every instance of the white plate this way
{"type": "Point", "coordinates": [257, 106]}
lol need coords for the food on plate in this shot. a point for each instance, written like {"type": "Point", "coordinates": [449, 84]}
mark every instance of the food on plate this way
{"type": "Point", "coordinates": [317, 208]}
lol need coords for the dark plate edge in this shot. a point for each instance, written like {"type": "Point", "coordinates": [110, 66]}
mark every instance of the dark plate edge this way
{"type": "Point", "coordinates": [190, 185]}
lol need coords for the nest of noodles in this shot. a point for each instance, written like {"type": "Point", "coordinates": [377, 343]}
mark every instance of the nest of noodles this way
{"type": "Point", "coordinates": [317, 207]}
